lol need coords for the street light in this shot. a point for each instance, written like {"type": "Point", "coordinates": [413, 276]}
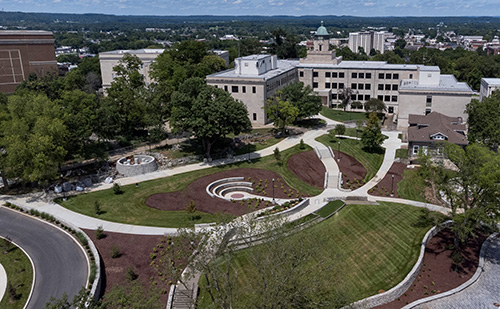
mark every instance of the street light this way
{"type": "Point", "coordinates": [392, 186]}
{"type": "Point", "coordinates": [338, 160]}
{"type": "Point", "coordinates": [273, 191]}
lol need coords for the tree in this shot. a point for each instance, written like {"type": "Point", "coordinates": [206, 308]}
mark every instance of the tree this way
{"type": "Point", "coordinates": [277, 155]}
{"type": "Point", "coordinates": [372, 137]}
{"type": "Point", "coordinates": [473, 186]}
{"type": "Point", "coordinates": [375, 105]}
{"type": "Point", "coordinates": [339, 129]}
{"type": "Point", "coordinates": [191, 209]}
{"type": "Point", "coordinates": [285, 44]}
{"type": "Point", "coordinates": [209, 112]}
{"type": "Point", "coordinates": [484, 121]}
{"type": "Point", "coordinates": [302, 97]}
{"type": "Point", "coordinates": [345, 96]}
{"type": "Point", "coordinates": [281, 112]}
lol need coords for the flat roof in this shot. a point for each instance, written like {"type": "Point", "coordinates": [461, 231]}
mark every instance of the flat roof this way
{"type": "Point", "coordinates": [25, 32]}
{"type": "Point", "coordinates": [283, 66]}
{"type": "Point", "coordinates": [136, 51]}
{"type": "Point", "coordinates": [446, 83]}
{"type": "Point", "coordinates": [371, 65]}
{"type": "Point", "coordinates": [491, 81]}
{"type": "Point", "coordinates": [254, 57]}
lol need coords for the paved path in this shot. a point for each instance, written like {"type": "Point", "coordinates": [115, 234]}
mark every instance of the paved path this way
{"type": "Point", "coordinates": [60, 263]}
{"type": "Point", "coordinates": [3, 282]}
{"type": "Point", "coordinates": [484, 292]}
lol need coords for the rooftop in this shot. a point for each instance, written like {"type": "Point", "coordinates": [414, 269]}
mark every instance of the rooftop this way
{"type": "Point", "coordinates": [136, 51]}
{"type": "Point", "coordinates": [446, 83]}
{"type": "Point", "coordinates": [372, 65]}
{"type": "Point", "coordinates": [423, 128]}
{"type": "Point", "coordinates": [283, 66]}
{"type": "Point", "coordinates": [25, 32]}
{"type": "Point", "coordinates": [491, 81]}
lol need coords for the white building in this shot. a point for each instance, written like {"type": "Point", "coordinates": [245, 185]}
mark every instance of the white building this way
{"type": "Point", "coordinates": [368, 40]}
{"type": "Point", "coordinates": [488, 85]}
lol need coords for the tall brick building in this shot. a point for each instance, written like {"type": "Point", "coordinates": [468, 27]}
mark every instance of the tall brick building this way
{"type": "Point", "coordinates": [23, 53]}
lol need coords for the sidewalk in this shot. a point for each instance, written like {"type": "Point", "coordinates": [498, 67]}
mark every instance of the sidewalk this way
{"type": "Point", "coordinates": [3, 282]}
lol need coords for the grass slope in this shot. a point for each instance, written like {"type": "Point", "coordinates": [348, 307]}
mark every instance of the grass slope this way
{"type": "Point", "coordinates": [354, 148]}
{"type": "Point", "coordinates": [341, 115]}
{"type": "Point", "coordinates": [19, 274]}
{"type": "Point", "coordinates": [130, 206]}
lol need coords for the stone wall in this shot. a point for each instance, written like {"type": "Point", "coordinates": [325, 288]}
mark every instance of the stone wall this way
{"type": "Point", "coordinates": [141, 164]}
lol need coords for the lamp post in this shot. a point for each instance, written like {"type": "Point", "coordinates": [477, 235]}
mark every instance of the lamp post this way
{"type": "Point", "coordinates": [392, 186]}
{"type": "Point", "coordinates": [273, 190]}
{"type": "Point", "coordinates": [338, 160]}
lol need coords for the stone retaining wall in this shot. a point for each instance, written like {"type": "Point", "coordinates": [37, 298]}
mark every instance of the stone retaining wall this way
{"type": "Point", "coordinates": [147, 165]}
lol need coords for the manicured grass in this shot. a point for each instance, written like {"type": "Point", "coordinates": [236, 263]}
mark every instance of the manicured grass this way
{"type": "Point", "coordinates": [354, 148]}
{"type": "Point", "coordinates": [330, 208]}
{"type": "Point", "coordinates": [130, 207]}
{"type": "Point", "coordinates": [19, 275]}
{"type": "Point", "coordinates": [402, 153]}
{"type": "Point", "coordinates": [352, 132]}
{"type": "Point", "coordinates": [339, 115]}
{"type": "Point", "coordinates": [257, 146]}
{"type": "Point", "coordinates": [378, 245]}
{"type": "Point", "coordinates": [412, 187]}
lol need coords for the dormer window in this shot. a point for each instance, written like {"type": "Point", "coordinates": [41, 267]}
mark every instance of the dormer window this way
{"type": "Point", "coordinates": [438, 137]}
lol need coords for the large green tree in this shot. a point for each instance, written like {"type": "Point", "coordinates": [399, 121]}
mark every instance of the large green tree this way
{"type": "Point", "coordinates": [484, 121]}
{"type": "Point", "coordinates": [375, 105]}
{"type": "Point", "coordinates": [302, 97]}
{"type": "Point", "coordinates": [372, 137]}
{"type": "Point", "coordinates": [210, 113]}
{"type": "Point", "coordinates": [281, 112]}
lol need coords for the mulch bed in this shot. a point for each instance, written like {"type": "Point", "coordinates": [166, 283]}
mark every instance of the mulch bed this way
{"type": "Point", "coordinates": [353, 172]}
{"type": "Point", "coordinates": [135, 252]}
{"type": "Point", "coordinates": [308, 168]}
{"type": "Point", "coordinates": [196, 191]}
{"type": "Point", "coordinates": [438, 273]}
{"type": "Point", "coordinates": [383, 188]}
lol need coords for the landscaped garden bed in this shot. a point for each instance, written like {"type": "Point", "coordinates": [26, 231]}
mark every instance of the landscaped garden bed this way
{"type": "Point", "coordinates": [383, 188]}
{"type": "Point", "coordinates": [441, 271]}
{"type": "Point", "coordinates": [353, 172]}
{"type": "Point", "coordinates": [308, 168]}
{"type": "Point", "coordinates": [280, 208]}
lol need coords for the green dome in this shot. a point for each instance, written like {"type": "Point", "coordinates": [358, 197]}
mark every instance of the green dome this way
{"type": "Point", "coordinates": [321, 30]}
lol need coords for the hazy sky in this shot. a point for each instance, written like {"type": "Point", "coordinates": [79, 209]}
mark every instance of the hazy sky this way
{"type": "Point", "coordinates": [262, 7]}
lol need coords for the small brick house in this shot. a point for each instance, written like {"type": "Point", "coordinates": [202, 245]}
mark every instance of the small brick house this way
{"type": "Point", "coordinates": [428, 132]}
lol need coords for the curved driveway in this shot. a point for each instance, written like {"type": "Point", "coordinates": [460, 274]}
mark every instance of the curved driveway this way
{"type": "Point", "coordinates": [60, 264]}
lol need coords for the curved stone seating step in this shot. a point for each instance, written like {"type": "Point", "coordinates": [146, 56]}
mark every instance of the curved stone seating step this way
{"type": "Point", "coordinates": [216, 190]}
{"type": "Point", "coordinates": [225, 191]}
{"type": "Point", "coordinates": [221, 181]}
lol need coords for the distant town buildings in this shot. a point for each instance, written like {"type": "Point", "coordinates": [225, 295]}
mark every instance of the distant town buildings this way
{"type": "Point", "coordinates": [23, 53]}
{"type": "Point", "coordinates": [369, 40]}
{"type": "Point", "coordinates": [488, 85]}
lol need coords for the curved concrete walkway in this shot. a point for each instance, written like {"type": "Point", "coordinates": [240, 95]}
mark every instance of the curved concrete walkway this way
{"type": "Point", "coordinates": [3, 282]}
{"type": "Point", "coordinates": [483, 293]}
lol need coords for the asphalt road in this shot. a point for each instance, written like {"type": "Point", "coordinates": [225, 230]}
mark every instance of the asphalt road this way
{"type": "Point", "coordinates": [60, 264]}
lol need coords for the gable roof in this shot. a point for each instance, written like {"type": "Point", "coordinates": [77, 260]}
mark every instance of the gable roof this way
{"type": "Point", "coordinates": [424, 128]}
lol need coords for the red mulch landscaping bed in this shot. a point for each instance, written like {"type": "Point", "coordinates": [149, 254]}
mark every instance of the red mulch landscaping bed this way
{"type": "Point", "coordinates": [135, 252]}
{"type": "Point", "coordinates": [308, 168]}
{"type": "Point", "coordinates": [196, 191]}
{"type": "Point", "coordinates": [353, 172]}
{"type": "Point", "coordinates": [383, 188]}
{"type": "Point", "coordinates": [438, 273]}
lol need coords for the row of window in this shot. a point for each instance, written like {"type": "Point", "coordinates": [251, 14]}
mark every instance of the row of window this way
{"type": "Point", "coordinates": [388, 98]}
{"type": "Point", "coordinates": [282, 81]}
{"type": "Point", "coordinates": [387, 87]}
{"type": "Point", "coordinates": [388, 76]}
{"type": "Point", "coordinates": [354, 97]}
{"type": "Point", "coordinates": [356, 75]}
{"type": "Point", "coordinates": [236, 89]}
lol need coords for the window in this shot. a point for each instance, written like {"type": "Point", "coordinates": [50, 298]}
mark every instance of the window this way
{"type": "Point", "coordinates": [254, 89]}
{"type": "Point", "coordinates": [234, 89]}
{"type": "Point", "coordinates": [334, 96]}
{"type": "Point", "coordinates": [301, 73]}
{"type": "Point", "coordinates": [225, 87]}
{"type": "Point", "coordinates": [380, 87]}
{"type": "Point", "coordinates": [391, 110]}
{"type": "Point", "coordinates": [361, 75]}
{"type": "Point", "coordinates": [395, 76]}
{"type": "Point", "coordinates": [428, 102]}
{"type": "Point", "coordinates": [367, 97]}
{"type": "Point", "coordinates": [415, 149]}
{"type": "Point", "coordinates": [380, 75]}
{"type": "Point", "coordinates": [380, 97]}
{"type": "Point", "coordinates": [254, 116]}
{"type": "Point", "coordinates": [368, 75]}
{"type": "Point", "coordinates": [368, 86]}
{"type": "Point", "coordinates": [411, 76]}
{"type": "Point", "coordinates": [388, 76]}
{"type": "Point", "coordinates": [341, 75]}
{"type": "Point", "coordinates": [341, 85]}
{"type": "Point", "coordinates": [244, 89]}
{"type": "Point", "coordinates": [361, 86]}
{"type": "Point", "coordinates": [334, 74]}
{"type": "Point", "coordinates": [216, 86]}
{"type": "Point", "coordinates": [327, 74]}
{"type": "Point", "coordinates": [427, 111]}
{"type": "Point", "coordinates": [354, 75]}
{"type": "Point", "coordinates": [315, 85]}
{"type": "Point", "coordinates": [354, 86]}
{"type": "Point", "coordinates": [387, 98]}
{"type": "Point", "coordinates": [394, 87]}
{"type": "Point", "coordinates": [387, 87]}
{"type": "Point", "coordinates": [327, 85]}
{"type": "Point", "coordinates": [394, 98]}
{"type": "Point", "coordinates": [334, 85]}
{"type": "Point", "coordinates": [315, 74]}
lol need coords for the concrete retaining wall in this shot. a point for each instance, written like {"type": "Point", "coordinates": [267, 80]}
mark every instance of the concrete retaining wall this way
{"type": "Point", "coordinates": [145, 164]}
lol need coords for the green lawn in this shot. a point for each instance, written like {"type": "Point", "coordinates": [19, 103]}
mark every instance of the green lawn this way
{"type": "Point", "coordinates": [329, 208]}
{"type": "Point", "coordinates": [19, 274]}
{"type": "Point", "coordinates": [352, 132]}
{"type": "Point", "coordinates": [354, 148]}
{"type": "Point", "coordinates": [402, 153]}
{"type": "Point", "coordinates": [257, 146]}
{"type": "Point", "coordinates": [339, 115]}
{"type": "Point", "coordinates": [378, 244]}
{"type": "Point", "coordinates": [412, 187]}
{"type": "Point", "coordinates": [130, 206]}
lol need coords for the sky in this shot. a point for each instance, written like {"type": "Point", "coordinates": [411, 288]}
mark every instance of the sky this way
{"type": "Point", "coordinates": [261, 7]}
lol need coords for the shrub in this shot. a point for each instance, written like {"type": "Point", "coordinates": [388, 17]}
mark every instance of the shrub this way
{"type": "Point", "coordinates": [277, 155]}
{"type": "Point", "coordinates": [117, 189]}
{"type": "Point", "coordinates": [97, 207]}
{"type": "Point", "coordinates": [115, 252]}
{"type": "Point", "coordinates": [301, 144]}
{"type": "Point", "coordinates": [83, 240]}
{"type": "Point", "coordinates": [130, 274]}
{"type": "Point", "coordinates": [99, 233]}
